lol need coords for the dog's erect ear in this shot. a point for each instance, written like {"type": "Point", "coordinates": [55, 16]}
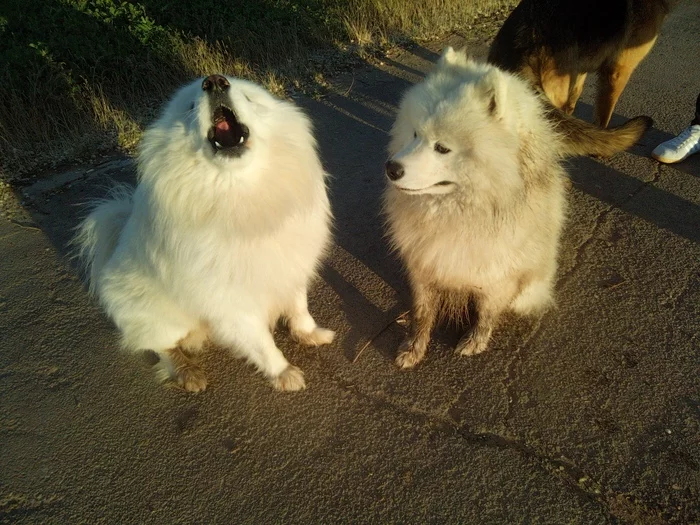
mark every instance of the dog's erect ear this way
{"type": "Point", "coordinates": [450, 57]}
{"type": "Point", "coordinates": [493, 87]}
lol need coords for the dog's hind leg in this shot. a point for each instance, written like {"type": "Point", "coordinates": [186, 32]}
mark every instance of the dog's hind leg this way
{"type": "Point", "coordinates": [534, 293]}
{"type": "Point", "coordinates": [423, 317]}
{"type": "Point", "coordinates": [150, 320]}
{"type": "Point", "coordinates": [613, 77]}
{"type": "Point", "coordinates": [177, 365]}
{"type": "Point", "coordinates": [303, 327]}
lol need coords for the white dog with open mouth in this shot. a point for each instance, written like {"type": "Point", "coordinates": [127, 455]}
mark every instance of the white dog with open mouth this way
{"type": "Point", "coordinates": [222, 235]}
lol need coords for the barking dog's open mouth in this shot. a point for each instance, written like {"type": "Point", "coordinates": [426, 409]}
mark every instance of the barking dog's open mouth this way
{"type": "Point", "coordinates": [227, 135]}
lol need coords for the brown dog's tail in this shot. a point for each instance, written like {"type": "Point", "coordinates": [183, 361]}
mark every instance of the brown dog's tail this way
{"type": "Point", "coordinates": [583, 138]}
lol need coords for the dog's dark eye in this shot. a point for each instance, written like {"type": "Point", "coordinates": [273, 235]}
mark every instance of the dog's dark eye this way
{"type": "Point", "coordinates": [192, 106]}
{"type": "Point", "coordinates": [441, 149]}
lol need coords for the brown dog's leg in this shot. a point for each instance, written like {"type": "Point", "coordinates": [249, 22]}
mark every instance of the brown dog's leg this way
{"type": "Point", "coordinates": [423, 316]}
{"type": "Point", "coordinates": [613, 77]}
{"type": "Point", "coordinates": [575, 89]}
{"type": "Point", "coordinates": [555, 84]}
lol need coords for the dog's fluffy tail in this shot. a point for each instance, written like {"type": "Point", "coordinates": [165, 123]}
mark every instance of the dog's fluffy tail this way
{"type": "Point", "coordinates": [97, 236]}
{"type": "Point", "coordinates": [583, 138]}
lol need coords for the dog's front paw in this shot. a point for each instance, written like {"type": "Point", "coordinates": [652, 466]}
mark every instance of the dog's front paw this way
{"type": "Point", "coordinates": [470, 345]}
{"type": "Point", "coordinates": [290, 380]}
{"type": "Point", "coordinates": [317, 337]}
{"type": "Point", "coordinates": [191, 378]}
{"type": "Point", "coordinates": [409, 355]}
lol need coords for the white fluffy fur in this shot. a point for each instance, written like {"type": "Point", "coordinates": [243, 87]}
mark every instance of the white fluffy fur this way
{"type": "Point", "coordinates": [483, 220]}
{"type": "Point", "coordinates": [213, 246]}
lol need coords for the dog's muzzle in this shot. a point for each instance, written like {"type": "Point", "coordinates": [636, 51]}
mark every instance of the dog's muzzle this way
{"type": "Point", "coordinates": [227, 135]}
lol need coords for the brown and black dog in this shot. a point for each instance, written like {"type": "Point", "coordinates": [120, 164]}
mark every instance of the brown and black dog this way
{"type": "Point", "coordinates": [555, 43]}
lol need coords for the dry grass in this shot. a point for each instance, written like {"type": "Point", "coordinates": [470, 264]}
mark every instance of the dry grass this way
{"type": "Point", "coordinates": [379, 21]}
{"type": "Point", "coordinates": [76, 104]}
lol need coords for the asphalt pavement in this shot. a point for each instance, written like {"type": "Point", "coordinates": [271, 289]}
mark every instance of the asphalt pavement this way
{"type": "Point", "coordinates": [589, 415]}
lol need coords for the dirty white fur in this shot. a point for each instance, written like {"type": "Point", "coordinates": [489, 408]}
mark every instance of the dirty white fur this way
{"type": "Point", "coordinates": [209, 246]}
{"type": "Point", "coordinates": [482, 221]}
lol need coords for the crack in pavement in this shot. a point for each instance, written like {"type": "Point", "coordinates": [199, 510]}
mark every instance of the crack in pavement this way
{"type": "Point", "coordinates": [685, 289]}
{"type": "Point", "coordinates": [512, 371]}
{"type": "Point", "coordinates": [600, 219]}
{"type": "Point", "coordinates": [616, 505]}
{"type": "Point", "coordinates": [564, 279]}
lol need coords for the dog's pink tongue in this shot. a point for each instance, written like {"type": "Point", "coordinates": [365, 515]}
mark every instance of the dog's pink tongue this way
{"type": "Point", "coordinates": [224, 135]}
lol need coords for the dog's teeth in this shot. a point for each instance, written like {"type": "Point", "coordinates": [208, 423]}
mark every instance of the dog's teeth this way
{"type": "Point", "coordinates": [241, 141]}
{"type": "Point", "coordinates": [218, 145]}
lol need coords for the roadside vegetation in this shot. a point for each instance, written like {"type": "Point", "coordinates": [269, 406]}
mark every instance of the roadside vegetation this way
{"type": "Point", "coordinates": [82, 76]}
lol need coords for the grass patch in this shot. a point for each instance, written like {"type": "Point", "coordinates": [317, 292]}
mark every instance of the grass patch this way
{"type": "Point", "coordinates": [80, 76]}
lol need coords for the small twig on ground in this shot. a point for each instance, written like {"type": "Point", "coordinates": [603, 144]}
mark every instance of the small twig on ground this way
{"type": "Point", "coordinates": [25, 225]}
{"type": "Point", "coordinates": [400, 320]}
{"type": "Point", "coordinates": [615, 285]}
{"type": "Point", "coordinates": [351, 85]}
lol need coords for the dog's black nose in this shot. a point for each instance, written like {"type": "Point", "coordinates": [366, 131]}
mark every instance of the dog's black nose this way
{"type": "Point", "coordinates": [215, 83]}
{"type": "Point", "coordinates": [394, 170]}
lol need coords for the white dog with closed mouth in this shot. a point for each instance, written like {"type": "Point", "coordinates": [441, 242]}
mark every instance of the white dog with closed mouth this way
{"type": "Point", "coordinates": [475, 200]}
{"type": "Point", "coordinates": [222, 235]}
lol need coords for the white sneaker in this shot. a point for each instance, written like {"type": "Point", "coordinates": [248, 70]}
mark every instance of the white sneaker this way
{"type": "Point", "coordinates": [680, 147]}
